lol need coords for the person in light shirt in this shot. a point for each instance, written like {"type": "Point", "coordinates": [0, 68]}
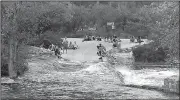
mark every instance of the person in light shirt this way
{"type": "Point", "coordinates": [65, 44]}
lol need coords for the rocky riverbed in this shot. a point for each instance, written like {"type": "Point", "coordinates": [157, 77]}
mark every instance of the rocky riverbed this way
{"type": "Point", "coordinates": [52, 78]}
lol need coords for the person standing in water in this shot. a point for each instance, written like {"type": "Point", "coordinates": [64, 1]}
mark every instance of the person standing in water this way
{"type": "Point", "coordinates": [57, 51]}
{"type": "Point", "coordinates": [119, 44]}
{"type": "Point", "coordinates": [101, 51]}
{"type": "Point", "coordinates": [75, 45]}
{"type": "Point", "coordinates": [65, 44]}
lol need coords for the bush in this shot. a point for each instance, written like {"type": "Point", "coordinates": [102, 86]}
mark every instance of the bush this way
{"type": "Point", "coordinates": [79, 34]}
{"type": "Point", "coordinates": [53, 38]}
{"type": "Point", "coordinates": [147, 53]}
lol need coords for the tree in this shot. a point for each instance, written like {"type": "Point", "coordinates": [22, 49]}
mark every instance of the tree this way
{"type": "Point", "coordinates": [162, 19]}
{"type": "Point", "coordinates": [79, 18]}
{"type": "Point", "coordinates": [9, 20]}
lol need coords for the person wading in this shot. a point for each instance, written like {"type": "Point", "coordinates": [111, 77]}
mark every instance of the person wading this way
{"type": "Point", "coordinates": [75, 45]}
{"type": "Point", "coordinates": [139, 40]}
{"type": "Point", "coordinates": [101, 51]}
{"type": "Point", "coordinates": [65, 45]}
{"type": "Point", "coordinates": [57, 51]}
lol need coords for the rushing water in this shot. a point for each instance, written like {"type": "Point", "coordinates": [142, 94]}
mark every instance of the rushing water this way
{"type": "Point", "coordinates": [93, 82]}
{"type": "Point", "coordinates": [151, 77]}
{"type": "Point", "coordinates": [30, 90]}
{"type": "Point", "coordinates": [48, 79]}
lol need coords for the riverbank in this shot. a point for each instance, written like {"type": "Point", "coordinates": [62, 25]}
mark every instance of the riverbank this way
{"type": "Point", "coordinates": [147, 77]}
{"type": "Point", "coordinates": [52, 78]}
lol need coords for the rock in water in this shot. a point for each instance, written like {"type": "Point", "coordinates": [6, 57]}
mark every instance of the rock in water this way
{"type": "Point", "coordinates": [120, 76]}
{"type": "Point", "coordinates": [7, 80]}
{"type": "Point", "coordinates": [171, 84]}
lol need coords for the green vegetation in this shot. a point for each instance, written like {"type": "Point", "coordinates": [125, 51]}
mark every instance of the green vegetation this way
{"type": "Point", "coordinates": [147, 53]}
{"type": "Point", "coordinates": [25, 22]}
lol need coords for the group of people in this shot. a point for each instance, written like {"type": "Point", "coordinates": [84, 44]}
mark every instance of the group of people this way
{"type": "Point", "coordinates": [56, 49]}
{"type": "Point", "coordinates": [65, 45]}
{"type": "Point", "coordinates": [99, 38]}
{"type": "Point", "coordinates": [139, 40]}
{"type": "Point", "coordinates": [102, 50]}
{"type": "Point", "coordinates": [115, 40]}
{"type": "Point", "coordinates": [69, 45]}
{"type": "Point", "coordinates": [92, 38]}
{"type": "Point", "coordinates": [111, 39]}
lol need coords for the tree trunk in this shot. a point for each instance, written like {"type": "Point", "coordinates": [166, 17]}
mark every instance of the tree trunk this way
{"type": "Point", "coordinates": [110, 4]}
{"type": "Point", "coordinates": [15, 52]}
{"type": "Point", "coordinates": [124, 23]}
{"type": "Point", "coordinates": [118, 5]}
{"type": "Point", "coordinates": [12, 73]}
{"type": "Point", "coordinates": [97, 2]}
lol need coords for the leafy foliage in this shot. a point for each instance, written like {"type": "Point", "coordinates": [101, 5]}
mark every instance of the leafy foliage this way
{"type": "Point", "coordinates": [26, 22]}
{"type": "Point", "coordinates": [147, 53]}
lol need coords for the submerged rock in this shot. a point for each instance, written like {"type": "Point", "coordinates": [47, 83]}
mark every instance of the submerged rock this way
{"type": "Point", "coordinates": [7, 80]}
{"type": "Point", "coordinates": [171, 84]}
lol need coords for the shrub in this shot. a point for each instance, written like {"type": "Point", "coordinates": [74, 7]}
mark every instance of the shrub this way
{"type": "Point", "coordinates": [79, 34]}
{"type": "Point", "coordinates": [147, 53]}
{"type": "Point", "coordinates": [53, 38]}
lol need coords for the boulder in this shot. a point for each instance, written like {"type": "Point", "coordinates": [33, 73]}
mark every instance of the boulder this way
{"type": "Point", "coordinates": [8, 81]}
{"type": "Point", "coordinates": [171, 84]}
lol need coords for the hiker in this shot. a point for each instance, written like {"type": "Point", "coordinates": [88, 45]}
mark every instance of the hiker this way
{"type": "Point", "coordinates": [57, 51]}
{"type": "Point", "coordinates": [114, 40]}
{"type": "Point", "coordinates": [132, 39]}
{"type": "Point", "coordinates": [119, 44]}
{"type": "Point", "coordinates": [65, 45]}
{"type": "Point", "coordinates": [139, 40]}
{"type": "Point", "coordinates": [87, 38]}
{"type": "Point", "coordinates": [109, 40]}
{"type": "Point", "coordinates": [101, 50]}
{"type": "Point", "coordinates": [105, 39]}
{"type": "Point", "coordinates": [93, 38]}
{"type": "Point", "coordinates": [114, 36]}
{"type": "Point", "coordinates": [52, 47]}
{"type": "Point", "coordinates": [115, 43]}
{"type": "Point", "coordinates": [99, 38]}
{"type": "Point", "coordinates": [75, 45]}
{"type": "Point", "coordinates": [70, 45]}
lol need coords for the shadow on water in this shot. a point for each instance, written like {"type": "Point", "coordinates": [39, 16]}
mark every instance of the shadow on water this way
{"type": "Point", "coordinates": [39, 91]}
{"type": "Point", "coordinates": [46, 90]}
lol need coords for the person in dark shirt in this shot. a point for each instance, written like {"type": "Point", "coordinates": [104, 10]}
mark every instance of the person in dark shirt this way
{"type": "Point", "coordinates": [114, 36]}
{"type": "Point", "coordinates": [139, 39]}
{"type": "Point", "coordinates": [114, 39]}
{"type": "Point", "coordinates": [101, 50]}
{"type": "Point", "coordinates": [57, 52]}
{"type": "Point", "coordinates": [65, 44]}
{"type": "Point", "coordinates": [132, 39]}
